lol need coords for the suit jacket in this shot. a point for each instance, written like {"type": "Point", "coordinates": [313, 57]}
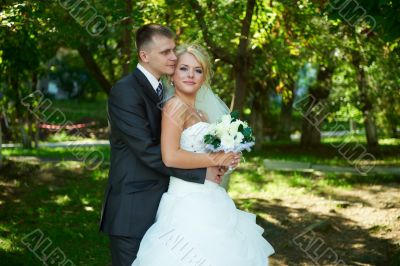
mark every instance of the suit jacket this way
{"type": "Point", "coordinates": [137, 176]}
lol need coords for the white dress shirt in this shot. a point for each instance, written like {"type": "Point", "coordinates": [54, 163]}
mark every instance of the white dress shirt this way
{"type": "Point", "coordinates": [153, 81]}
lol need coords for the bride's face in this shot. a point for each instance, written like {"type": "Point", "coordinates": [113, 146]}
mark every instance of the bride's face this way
{"type": "Point", "coordinates": [189, 75]}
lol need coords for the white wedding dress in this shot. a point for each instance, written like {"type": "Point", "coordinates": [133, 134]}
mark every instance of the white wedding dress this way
{"type": "Point", "coordinates": [198, 224]}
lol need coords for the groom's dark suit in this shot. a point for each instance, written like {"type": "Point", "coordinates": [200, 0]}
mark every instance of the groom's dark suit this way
{"type": "Point", "coordinates": [137, 177]}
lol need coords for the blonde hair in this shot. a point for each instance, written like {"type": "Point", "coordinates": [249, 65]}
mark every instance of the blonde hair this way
{"type": "Point", "coordinates": [200, 54]}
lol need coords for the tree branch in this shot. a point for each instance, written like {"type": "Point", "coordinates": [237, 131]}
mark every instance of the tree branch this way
{"type": "Point", "coordinates": [218, 52]}
{"type": "Point", "coordinates": [244, 35]}
{"type": "Point", "coordinates": [94, 68]}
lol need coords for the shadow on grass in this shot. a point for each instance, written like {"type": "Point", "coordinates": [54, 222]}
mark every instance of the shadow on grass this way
{"type": "Point", "coordinates": [61, 200]}
{"type": "Point", "coordinates": [352, 244]}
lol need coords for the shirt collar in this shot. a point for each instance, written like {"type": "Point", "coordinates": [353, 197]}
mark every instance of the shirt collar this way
{"type": "Point", "coordinates": [153, 81]}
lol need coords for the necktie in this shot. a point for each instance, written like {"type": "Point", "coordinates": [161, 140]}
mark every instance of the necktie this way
{"type": "Point", "coordinates": [159, 91]}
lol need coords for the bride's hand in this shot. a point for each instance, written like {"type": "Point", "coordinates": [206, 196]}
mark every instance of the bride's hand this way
{"type": "Point", "coordinates": [229, 159]}
{"type": "Point", "coordinates": [236, 162]}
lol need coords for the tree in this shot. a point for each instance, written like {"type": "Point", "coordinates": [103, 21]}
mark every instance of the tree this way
{"type": "Point", "coordinates": [239, 58]}
{"type": "Point", "coordinates": [25, 44]}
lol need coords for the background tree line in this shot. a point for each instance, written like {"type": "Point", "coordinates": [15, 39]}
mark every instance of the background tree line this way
{"type": "Point", "coordinates": [340, 59]}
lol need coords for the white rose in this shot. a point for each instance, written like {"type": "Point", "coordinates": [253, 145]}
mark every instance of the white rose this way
{"type": "Point", "coordinates": [233, 128]}
{"type": "Point", "coordinates": [220, 130]}
{"type": "Point", "coordinates": [226, 120]}
{"type": "Point", "coordinates": [212, 129]}
{"type": "Point", "coordinates": [227, 141]}
{"type": "Point", "coordinates": [239, 138]}
{"type": "Point", "coordinates": [222, 127]}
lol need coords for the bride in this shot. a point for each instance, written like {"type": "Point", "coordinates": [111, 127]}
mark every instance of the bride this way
{"type": "Point", "coordinates": [197, 224]}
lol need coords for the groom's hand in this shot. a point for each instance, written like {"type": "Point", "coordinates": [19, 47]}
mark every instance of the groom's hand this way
{"type": "Point", "coordinates": [214, 174]}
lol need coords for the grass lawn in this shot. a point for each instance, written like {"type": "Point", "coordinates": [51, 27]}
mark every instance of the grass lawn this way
{"type": "Point", "coordinates": [62, 200]}
{"type": "Point", "coordinates": [81, 110]}
{"type": "Point", "coordinates": [334, 152]}
{"type": "Point", "coordinates": [59, 153]}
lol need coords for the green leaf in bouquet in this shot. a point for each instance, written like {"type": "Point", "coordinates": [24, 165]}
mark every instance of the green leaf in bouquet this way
{"type": "Point", "coordinates": [213, 140]}
{"type": "Point", "coordinates": [248, 139]}
{"type": "Point", "coordinates": [209, 139]}
{"type": "Point", "coordinates": [247, 132]}
{"type": "Point", "coordinates": [216, 143]}
{"type": "Point", "coordinates": [240, 128]}
{"type": "Point", "coordinates": [235, 115]}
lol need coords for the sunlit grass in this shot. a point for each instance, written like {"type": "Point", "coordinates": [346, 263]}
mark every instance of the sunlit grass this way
{"type": "Point", "coordinates": [347, 138]}
{"type": "Point", "coordinates": [63, 136]}
{"type": "Point", "coordinates": [253, 179]}
{"type": "Point", "coordinates": [389, 141]}
{"type": "Point", "coordinates": [62, 199]}
{"type": "Point", "coordinates": [72, 153]}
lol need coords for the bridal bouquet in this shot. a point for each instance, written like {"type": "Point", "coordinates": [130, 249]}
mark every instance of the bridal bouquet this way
{"type": "Point", "coordinates": [229, 135]}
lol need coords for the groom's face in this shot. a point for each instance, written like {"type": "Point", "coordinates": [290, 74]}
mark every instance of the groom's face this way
{"type": "Point", "coordinates": [159, 56]}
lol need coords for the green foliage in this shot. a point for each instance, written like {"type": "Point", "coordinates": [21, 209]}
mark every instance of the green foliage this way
{"type": "Point", "coordinates": [213, 140]}
{"type": "Point", "coordinates": [235, 115]}
{"type": "Point", "coordinates": [284, 39]}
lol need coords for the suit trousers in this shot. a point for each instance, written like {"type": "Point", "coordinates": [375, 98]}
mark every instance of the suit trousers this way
{"type": "Point", "coordinates": [123, 250]}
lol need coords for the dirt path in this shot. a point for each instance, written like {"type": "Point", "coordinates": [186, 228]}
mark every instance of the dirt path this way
{"type": "Point", "coordinates": [340, 226]}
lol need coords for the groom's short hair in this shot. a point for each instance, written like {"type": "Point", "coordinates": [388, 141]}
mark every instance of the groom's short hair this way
{"type": "Point", "coordinates": [145, 34]}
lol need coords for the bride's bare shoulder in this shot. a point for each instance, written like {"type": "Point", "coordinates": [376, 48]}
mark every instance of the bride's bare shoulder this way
{"type": "Point", "coordinates": [175, 107]}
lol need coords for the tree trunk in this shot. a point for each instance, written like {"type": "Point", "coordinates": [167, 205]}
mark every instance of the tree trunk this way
{"type": "Point", "coordinates": [241, 62]}
{"type": "Point", "coordinates": [36, 137]}
{"type": "Point", "coordinates": [257, 124]}
{"type": "Point", "coordinates": [33, 121]}
{"type": "Point", "coordinates": [240, 88]}
{"type": "Point", "coordinates": [94, 68]}
{"type": "Point", "coordinates": [316, 109]}
{"type": "Point", "coordinates": [310, 132]}
{"type": "Point", "coordinates": [366, 105]}
{"type": "Point", "coordinates": [395, 135]}
{"type": "Point", "coordinates": [26, 141]}
{"type": "Point", "coordinates": [393, 131]}
{"type": "Point", "coordinates": [286, 119]}
{"type": "Point", "coordinates": [370, 130]}
{"type": "Point", "coordinates": [392, 118]}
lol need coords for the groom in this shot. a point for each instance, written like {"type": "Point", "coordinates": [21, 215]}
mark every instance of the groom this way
{"type": "Point", "coordinates": [137, 176]}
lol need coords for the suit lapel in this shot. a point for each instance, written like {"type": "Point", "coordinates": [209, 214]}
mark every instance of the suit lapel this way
{"type": "Point", "coordinates": [147, 88]}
